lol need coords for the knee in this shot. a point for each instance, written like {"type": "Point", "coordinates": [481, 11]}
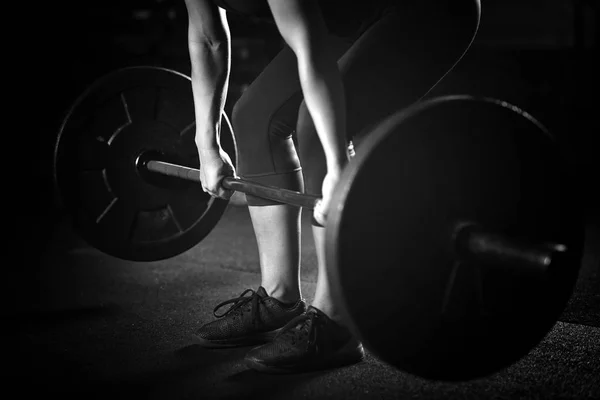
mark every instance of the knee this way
{"type": "Point", "coordinates": [311, 153]}
{"type": "Point", "coordinates": [304, 124]}
{"type": "Point", "coordinates": [250, 119]}
{"type": "Point", "coordinates": [264, 137]}
{"type": "Point", "coordinates": [245, 122]}
{"type": "Point", "coordinates": [240, 113]}
{"type": "Point", "coordinates": [306, 132]}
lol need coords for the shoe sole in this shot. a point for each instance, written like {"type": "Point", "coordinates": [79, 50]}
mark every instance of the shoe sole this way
{"type": "Point", "coordinates": [244, 341]}
{"type": "Point", "coordinates": [344, 357]}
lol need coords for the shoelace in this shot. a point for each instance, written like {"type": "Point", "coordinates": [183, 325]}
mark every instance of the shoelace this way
{"type": "Point", "coordinates": [239, 302]}
{"type": "Point", "coordinates": [300, 326]}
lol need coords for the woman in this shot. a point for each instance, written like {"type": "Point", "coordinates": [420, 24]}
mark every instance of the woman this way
{"type": "Point", "coordinates": [346, 65]}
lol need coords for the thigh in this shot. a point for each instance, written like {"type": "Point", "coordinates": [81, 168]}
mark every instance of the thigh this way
{"type": "Point", "coordinates": [402, 57]}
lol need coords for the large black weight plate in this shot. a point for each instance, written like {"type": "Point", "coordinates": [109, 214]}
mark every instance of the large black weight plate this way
{"type": "Point", "coordinates": [408, 295]}
{"type": "Point", "coordinates": [115, 206]}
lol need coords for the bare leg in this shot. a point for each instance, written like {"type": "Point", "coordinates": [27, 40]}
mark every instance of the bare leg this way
{"type": "Point", "coordinates": [277, 230]}
{"type": "Point", "coordinates": [314, 170]}
{"type": "Point", "coordinates": [323, 300]}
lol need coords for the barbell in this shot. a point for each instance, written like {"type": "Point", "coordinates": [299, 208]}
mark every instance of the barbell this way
{"type": "Point", "coordinates": [453, 241]}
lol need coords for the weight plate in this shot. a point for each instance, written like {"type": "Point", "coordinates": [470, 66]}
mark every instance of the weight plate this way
{"type": "Point", "coordinates": [117, 207]}
{"type": "Point", "coordinates": [392, 262]}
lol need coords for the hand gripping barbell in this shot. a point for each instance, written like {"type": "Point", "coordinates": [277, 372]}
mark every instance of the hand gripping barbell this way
{"type": "Point", "coordinates": [453, 241]}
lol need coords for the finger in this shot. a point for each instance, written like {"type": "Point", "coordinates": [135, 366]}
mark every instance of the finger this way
{"type": "Point", "coordinates": [209, 192]}
{"type": "Point", "coordinates": [320, 218]}
{"type": "Point", "coordinates": [319, 213]}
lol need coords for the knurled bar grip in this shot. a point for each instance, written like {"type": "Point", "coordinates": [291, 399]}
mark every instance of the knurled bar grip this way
{"type": "Point", "coordinates": [241, 185]}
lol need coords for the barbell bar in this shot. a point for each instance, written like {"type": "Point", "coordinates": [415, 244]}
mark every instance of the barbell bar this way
{"type": "Point", "coordinates": [471, 242]}
{"type": "Point", "coordinates": [241, 185]}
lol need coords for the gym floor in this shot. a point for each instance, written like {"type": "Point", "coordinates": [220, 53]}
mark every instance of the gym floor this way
{"type": "Point", "coordinates": [107, 328]}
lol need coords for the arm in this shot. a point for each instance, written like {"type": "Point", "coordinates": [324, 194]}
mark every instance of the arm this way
{"type": "Point", "coordinates": [302, 27]}
{"type": "Point", "coordinates": [209, 45]}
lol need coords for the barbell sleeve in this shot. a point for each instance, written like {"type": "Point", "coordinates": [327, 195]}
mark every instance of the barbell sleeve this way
{"type": "Point", "coordinates": [484, 247]}
{"type": "Point", "coordinates": [241, 185]}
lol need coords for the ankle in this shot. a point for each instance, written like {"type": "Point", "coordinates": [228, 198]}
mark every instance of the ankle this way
{"type": "Point", "coordinates": [285, 295]}
{"type": "Point", "coordinates": [329, 310]}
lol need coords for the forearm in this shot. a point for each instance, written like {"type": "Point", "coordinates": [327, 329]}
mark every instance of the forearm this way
{"type": "Point", "coordinates": [324, 97]}
{"type": "Point", "coordinates": [211, 65]}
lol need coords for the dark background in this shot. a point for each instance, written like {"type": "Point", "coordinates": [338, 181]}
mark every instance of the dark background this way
{"type": "Point", "coordinates": [536, 54]}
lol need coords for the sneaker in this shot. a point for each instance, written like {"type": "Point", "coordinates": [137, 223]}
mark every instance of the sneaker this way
{"type": "Point", "coordinates": [250, 320]}
{"type": "Point", "coordinates": [309, 342]}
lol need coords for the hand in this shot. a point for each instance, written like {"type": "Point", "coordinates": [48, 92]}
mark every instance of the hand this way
{"type": "Point", "coordinates": [215, 164]}
{"type": "Point", "coordinates": [322, 208]}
